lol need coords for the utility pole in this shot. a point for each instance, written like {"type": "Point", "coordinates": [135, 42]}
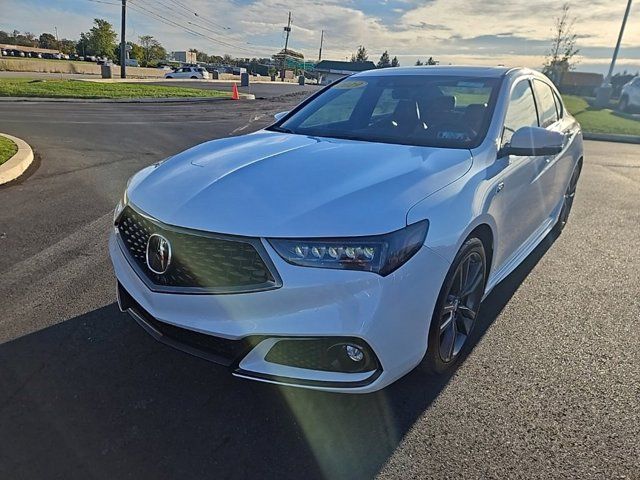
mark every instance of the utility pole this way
{"type": "Point", "coordinates": [286, 44]}
{"type": "Point", "coordinates": [123, 42]}
{"type": "Point", "coordinates": [603, 94]}
{"type": "Point", "coordinates": [57, 39]}
{"type": "Point", "coordinates": [321, 40]}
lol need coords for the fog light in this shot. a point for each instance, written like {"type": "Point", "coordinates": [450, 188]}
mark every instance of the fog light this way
{"type": "Point", "coordinates": [354, 353]}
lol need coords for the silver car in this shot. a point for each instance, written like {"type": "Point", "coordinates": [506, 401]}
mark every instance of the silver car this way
{"type": "Point", "coordinates": [356, 236]}
{"type": "Point", "coordinates": [630, 96]}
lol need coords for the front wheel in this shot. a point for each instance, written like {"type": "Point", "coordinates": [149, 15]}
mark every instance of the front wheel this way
{"type": "Point", "coordinates": [457, 307]}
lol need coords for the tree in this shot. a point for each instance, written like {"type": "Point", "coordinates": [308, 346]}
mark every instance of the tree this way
{"type": "Point", "coordinates": [431, 61]}
{"type": "Point", "coordinates": [384, 61]}
{"type": "Point", "coordinates": [561, 56]}
{"type": "Point", "coordinates": [47, 40]}
{"type": "Point", "coordinates": [419, 63]}
{"type": "Point", "coordinates": [82, 47]}
{"type": "Point", "coordinates": [28, 39]}
{"type": "Point", "coordinates": [102, 39]}
{"type": "Point", "coordinates": [152, 50]}
{"type": "Point", "coordinates": [395, 62]}
{"type": "Point", "coordinates": [67, 46]}
{"type": "Point", "coordinates": [361, 55]}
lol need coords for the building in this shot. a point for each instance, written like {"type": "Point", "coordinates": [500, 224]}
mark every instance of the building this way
{"type": "Point", "coordinates": [331, 70]}
{"type": "Point", "coordinates": [580, 83]}
{"type": "Point", "coordinates": [183, 57]}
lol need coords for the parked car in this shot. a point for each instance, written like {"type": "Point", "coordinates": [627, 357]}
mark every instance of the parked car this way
{"type": "Point", "coordinates": [189, 72]}
{"type": "Point", "coordinates": [630, 96]}
{"type": "Point", "coordinates": [355, 237]}
{"type": "Point", "coordinates": [4, 53]}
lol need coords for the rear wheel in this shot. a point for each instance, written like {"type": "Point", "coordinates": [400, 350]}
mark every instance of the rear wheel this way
{"type": "Point", "coordinates": [569, 195]}
{"type": "Point", "coordinates": [457, 307]}
{"type": "Point", "coordinates": [169, 78]}
{"type": "Point", "coordinates": [194, 78]}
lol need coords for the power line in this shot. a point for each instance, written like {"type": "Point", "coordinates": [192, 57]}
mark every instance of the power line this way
{"type": "Point", "coordinates": [180, 4]}
{"type": "Point", "coordinates": [102, 1]}
{"type": "Point", "coordinates": [167, 21]}
{"type": "Point", "coordinates": [188, 20]}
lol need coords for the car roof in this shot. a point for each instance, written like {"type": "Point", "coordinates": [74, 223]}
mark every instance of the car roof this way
{"type": "Point", "coordinates": [467, 71]}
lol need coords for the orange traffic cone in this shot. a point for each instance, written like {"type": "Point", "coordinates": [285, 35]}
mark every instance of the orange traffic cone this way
{"type": "Point", "coordinates": [234, 93]}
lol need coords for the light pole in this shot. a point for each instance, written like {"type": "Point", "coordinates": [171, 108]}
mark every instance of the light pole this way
{"type": "Point", "coordinates": [603, 94]}
{"type": "Point", "coordinates": [123, 45]}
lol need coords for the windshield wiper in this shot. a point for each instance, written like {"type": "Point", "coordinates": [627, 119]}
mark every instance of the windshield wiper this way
{"type": "Point", "coordinates": [282, 129]}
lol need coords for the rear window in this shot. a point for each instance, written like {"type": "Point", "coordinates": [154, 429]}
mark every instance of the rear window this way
{"type": "Point", "coordinates": [546, 104]}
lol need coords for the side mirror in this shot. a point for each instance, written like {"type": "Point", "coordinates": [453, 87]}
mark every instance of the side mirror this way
{"type": "Point", "coordinates": [533, 141]}
{"type": "Point", "coordinates": [278, 116]}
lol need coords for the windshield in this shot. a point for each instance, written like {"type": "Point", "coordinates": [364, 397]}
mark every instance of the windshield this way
{"type": "Point", "coordinates": [424, 110]}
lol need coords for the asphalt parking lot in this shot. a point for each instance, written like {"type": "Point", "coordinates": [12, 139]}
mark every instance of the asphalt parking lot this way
{"type": "Point", "coordinates": [551, 389]}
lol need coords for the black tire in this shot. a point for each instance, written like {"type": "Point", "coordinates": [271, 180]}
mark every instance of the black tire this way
{"type": "Point", "coordinates": [194, 78]}
{"type": "Point", "coordinates": [569, 196]}
{"type": "Point", "coordinates": [169, 78]}
{"type": "Point", "coordinates": [623, 104]}
{"type": "Point", "coordinates": [456, 311]}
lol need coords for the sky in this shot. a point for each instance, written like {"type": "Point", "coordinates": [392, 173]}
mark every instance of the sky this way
{"type": "Point", "coordinates": [486, 32]}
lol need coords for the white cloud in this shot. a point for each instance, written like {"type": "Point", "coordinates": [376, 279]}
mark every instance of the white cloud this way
{"type": "Point", "coordinates": [469, 31]}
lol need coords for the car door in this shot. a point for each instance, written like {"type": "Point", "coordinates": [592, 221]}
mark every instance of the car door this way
{"type": "Point", "coordinates": [552, 169]}
{"type": "Point", "coordinates": [518, 205]}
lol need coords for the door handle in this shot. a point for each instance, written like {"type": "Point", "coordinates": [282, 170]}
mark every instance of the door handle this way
{"type": "Point", "coordinates": [499, 187]}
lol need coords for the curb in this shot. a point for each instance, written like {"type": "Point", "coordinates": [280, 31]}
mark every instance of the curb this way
{"type": "Point", "coordinates": [243, 96]}
{"type": "Point", "coordinates": [610, 137]}
{"type": "Point", "coordinates": [16, 165]}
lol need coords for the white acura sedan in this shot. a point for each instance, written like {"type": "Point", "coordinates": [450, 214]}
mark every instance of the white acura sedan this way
{"type": "Point", "coordinates": [357, 236]}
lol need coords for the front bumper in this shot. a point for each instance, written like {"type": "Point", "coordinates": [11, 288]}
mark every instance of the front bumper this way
{"type": "Point", "coordinates": [389, 315]}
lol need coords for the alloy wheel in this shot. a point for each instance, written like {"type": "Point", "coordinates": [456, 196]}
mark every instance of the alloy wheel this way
{"type": "Point", "coordinates": [461, 307]}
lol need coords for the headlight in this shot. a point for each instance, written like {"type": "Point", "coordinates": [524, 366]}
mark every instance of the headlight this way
{"type": "Point", "coordinates": [121, 204]}
{"type": "Point", "coordinates": [381, 254]}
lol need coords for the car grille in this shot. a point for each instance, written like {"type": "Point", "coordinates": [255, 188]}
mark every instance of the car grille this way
{"type": "Point", "coordinates": [199, 260]}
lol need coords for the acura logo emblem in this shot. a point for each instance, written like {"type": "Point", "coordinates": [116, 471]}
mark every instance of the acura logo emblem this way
{"type": "Point", "coordinates": [158, 254]}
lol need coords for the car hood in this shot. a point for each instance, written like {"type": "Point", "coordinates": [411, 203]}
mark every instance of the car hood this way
{"type": "Point", "coordinates": [271, 184]}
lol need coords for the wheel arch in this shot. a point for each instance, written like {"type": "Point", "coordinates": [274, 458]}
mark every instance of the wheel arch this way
{"type": "Point", "coordinates": [484, 233]}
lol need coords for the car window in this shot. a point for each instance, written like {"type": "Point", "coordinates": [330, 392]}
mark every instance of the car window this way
{"type": "Point", "coordinates": [546, 104]}
{"type": "Point", "coordinates": [521, 111]}
{"type": "Point", "coordinates": [559, 104]}
{"type": "Point", "coordinates": [338, 110]}
{"type": "Point", "coordinates": [425, 110]}
{"type": "Point", "coordinates": [386, 103]}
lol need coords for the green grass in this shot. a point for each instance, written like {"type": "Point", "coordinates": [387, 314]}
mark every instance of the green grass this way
{"type": "Point", "coordinates": [599, 120]}
{"type": "Point", "coordinates": [7, 149]}
{"type": "Point", "coordinates": [24, 87]}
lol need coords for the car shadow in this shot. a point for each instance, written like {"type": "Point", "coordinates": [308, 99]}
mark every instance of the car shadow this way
{"type": "Point", "coordinates": [96, 397]}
